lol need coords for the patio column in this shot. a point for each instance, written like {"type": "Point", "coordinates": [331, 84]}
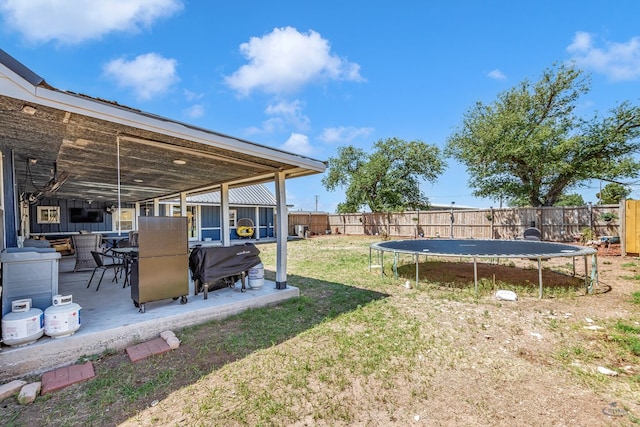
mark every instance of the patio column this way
{"type": "Point", "coordinates": [183, 204]}
{"type": "Point", "coordinates": [257, 221]}
{"type": "Point", "coordinates": [225, 231]}
{"type": "Point", "coordinates": [136, 206]}
{"type": "Point", "coordinates": [282, 226]}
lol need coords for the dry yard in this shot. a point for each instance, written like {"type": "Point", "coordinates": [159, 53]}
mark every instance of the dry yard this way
{"type": "Point", "coordinates": [533, 362]}
{"type": "Point", "coordinates": [433, 355]}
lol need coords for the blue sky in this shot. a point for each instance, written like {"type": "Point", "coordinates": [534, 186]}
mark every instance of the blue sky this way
{"type": "Point", "coordinates": [310, 76]}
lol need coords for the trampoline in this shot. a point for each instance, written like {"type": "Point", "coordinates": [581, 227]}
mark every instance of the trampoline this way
{"type": "Point", "coordinates": [485, 249]}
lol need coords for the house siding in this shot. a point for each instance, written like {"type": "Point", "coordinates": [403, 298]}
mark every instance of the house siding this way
{"type": "Point", "coordinates": [210, 217]}
{"type": "Point", "coordinates": [66, 226]}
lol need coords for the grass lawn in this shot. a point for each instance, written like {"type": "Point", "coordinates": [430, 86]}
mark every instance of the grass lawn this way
{"type": "Point", "coordinates": [360, 349]}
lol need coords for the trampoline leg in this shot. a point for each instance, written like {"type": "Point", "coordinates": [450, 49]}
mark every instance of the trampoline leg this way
{"type": "Point", "coordinates": [380, 264]}
{"type": "Point", "coordinates": [540, 276]}
{"type": "Point", "coordinates": [586, 275]}
{"type": "Point", "coordinates": [475, 274]}
{"type": "Point", "coordinates": [417, 260]}
{"type": "Point", "coordinates": [594, 271]}
{"type": "Point", "coordinates": [395, 265]}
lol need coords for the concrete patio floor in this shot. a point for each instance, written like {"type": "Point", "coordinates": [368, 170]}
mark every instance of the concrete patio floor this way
{"type": "Point", "coordinates": [110, 321]}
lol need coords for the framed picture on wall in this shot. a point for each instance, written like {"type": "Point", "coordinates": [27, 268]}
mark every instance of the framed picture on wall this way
{"type": "Point", "coordinates": [48, 214]}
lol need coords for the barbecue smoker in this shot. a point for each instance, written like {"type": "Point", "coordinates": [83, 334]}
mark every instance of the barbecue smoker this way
{"type": "Point", "coordinates": [221, 266]}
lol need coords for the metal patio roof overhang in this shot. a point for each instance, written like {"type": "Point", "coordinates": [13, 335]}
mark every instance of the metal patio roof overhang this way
{"type": "Point", "coordinates": [101, 146]}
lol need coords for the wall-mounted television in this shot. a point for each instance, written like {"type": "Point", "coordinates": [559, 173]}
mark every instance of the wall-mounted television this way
{"type": "Point", "coordinates": [85, 215]}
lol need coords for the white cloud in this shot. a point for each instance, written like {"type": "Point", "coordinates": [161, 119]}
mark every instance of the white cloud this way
{"type": "Point", "coordinates": [195, 111]}
{"type": "Point", "coordinates": [73, 22]}
{"type": "Point", "coordinates": [496, 74]}
{"type": "Point", "coordinates": [285, 60]}
{"type": "Point", "coordinates": [147, 75]}
{"type": "Point", "coordinates": [283, 114]}
{"type": "Point", "coordinates": [291, 114]}
{"type": "Point", "coordinates": [275, 124]}
{"type": "Point", "coordinates": [192, 96]}
{"type": "Point", "coordinates": [618, 61]}
{"type": "Point", "coordinates": [298, 143]}
{"type": "Point", "coordinates": [581, 42]}
{"type": "Point", "coordinates": [343, 134]}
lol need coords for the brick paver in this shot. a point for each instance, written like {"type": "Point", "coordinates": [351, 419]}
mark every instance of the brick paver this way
{"type": "Point", "coordinates": [146, 349]}
{"type": "Point", "coordinates": [63, 377]}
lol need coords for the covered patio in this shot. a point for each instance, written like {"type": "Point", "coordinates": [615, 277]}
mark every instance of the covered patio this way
{"type": "Point", "coordinates": [60, 145]}
{"type": "Point", "coordinates": [110, 321]}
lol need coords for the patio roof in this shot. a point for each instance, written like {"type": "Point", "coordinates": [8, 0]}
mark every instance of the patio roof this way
{"type": "Point", "coordinates": [86, 148]}
{"type": "Point", "coordinates": [251, 195]}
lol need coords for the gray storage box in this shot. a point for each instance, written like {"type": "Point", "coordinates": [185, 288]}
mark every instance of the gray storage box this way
{"type": "Point", "coordinates": [29, 273]}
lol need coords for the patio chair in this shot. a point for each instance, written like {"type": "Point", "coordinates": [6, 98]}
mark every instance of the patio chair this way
{"type": "Point", "coordinates": [133, 238]}
{"type": "Point", "coordinates": [532, 233]}
{"type": "Point", "coordinates": [106, 262]}
{"type": "Point", "coordinates": [83, 245]}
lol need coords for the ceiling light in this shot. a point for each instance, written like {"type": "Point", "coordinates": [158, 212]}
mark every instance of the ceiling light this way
{"type": "Point", "coordinates": [138, 180]}
{"type": "Point", "coordinates": [179, 162]}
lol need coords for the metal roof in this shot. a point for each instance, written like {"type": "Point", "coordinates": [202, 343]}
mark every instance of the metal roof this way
{"type": "Point", "coordinates": [19, 68]}
{"type": "Point", "coordinates": [251, 195]}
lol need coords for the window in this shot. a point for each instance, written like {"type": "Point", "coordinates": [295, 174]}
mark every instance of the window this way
{"type": "Point", "coordinates": [192, 219]}
{"type": "Point", "coordinates": [48, 214]}
{"type": "Point", "coordinates": [232, 218]}
{"type": "Point", "coordinates": [122, 219]}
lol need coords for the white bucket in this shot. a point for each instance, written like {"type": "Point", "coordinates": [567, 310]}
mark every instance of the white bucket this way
{"type": "Point", "coordinates": [23, 325]}
{"type": "Point", "coordinates": [62, 318]}
{"type": "Point", "coordinates": [256, 276]}
{"type": "Point", "coordinates": [506, 295]}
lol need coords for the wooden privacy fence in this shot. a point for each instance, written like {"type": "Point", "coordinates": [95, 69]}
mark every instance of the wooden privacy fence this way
{"type": "Point", "coordinates": [316, 222]}
{"type": "Point", "coordinates": [561, 224]}
{"type": "Point", "coordinates": [631, 228]}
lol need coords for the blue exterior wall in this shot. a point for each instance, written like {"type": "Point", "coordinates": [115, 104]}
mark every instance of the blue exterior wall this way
{"type": "Point", "coordinates": [11, 223]}
{"type": "Point", "coordinates": [66, 226]}
{"type": "Point", "coordinates": [210, 217]}
{"type": "Point", "coordinates": [210, 220]}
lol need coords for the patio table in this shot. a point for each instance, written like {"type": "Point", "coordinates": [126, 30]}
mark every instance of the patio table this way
{"type": "Point", "coordinates": [128, 254]}
{"type": "Point", "coordinates": [113, 241]}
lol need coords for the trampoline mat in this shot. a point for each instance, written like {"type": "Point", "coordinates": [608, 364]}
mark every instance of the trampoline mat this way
{"type": "Point", "coordinates": [484, 248]}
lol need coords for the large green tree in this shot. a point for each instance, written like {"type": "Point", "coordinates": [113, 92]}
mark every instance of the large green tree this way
{"type": "Point", "coordinates": [385, 180]}
{"type": "Point", "coordinates": [612, 193]}
{"type": "Point", "coordinates": [530, 145]}
{"type": "Point", "coordinates": [572, 199]}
